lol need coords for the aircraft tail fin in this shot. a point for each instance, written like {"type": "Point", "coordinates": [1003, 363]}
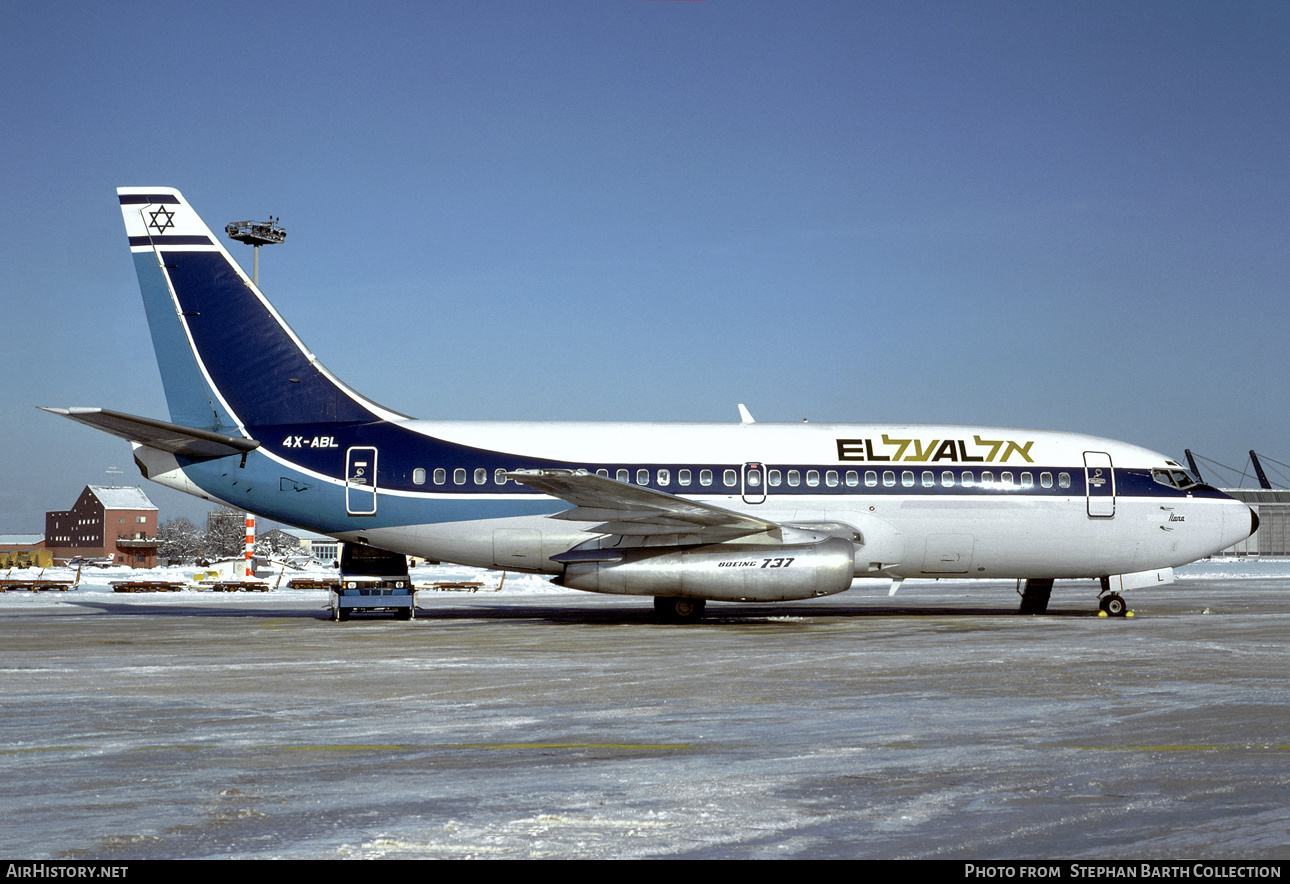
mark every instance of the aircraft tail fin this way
{"type": "Point", "coordinates": [227, 358]}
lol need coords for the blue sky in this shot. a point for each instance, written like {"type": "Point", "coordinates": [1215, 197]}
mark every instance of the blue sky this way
{"type": "Point", "coordinates": [1051, 215]}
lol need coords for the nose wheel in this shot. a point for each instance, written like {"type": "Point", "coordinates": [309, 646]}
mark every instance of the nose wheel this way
{"type": "Point", "coordinates": [1112, 605]}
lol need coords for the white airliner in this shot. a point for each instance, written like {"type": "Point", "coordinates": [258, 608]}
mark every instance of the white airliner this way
{"type": "Point", "coordinates": [680, 512]}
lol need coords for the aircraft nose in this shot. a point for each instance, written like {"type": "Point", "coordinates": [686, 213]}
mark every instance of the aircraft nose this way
{"type": "Point", "coordinates": [1238, 525]}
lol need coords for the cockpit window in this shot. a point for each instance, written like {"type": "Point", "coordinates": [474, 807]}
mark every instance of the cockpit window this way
{"type": "Point", "coordinates": [1174, 478]}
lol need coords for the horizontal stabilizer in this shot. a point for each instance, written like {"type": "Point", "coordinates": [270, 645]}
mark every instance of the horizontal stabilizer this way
{"type": "Point", "coordinates": [185, 441]}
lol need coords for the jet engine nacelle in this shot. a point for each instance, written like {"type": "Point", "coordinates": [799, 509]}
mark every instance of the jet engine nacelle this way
{"type": "Point", "coordinates": [722, 572]}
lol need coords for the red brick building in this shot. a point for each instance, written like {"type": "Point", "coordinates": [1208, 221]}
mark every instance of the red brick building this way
{"type": "Point", "coordinates": [115, 521]}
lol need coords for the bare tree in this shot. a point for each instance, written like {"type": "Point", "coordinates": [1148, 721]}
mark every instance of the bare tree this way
{"type": "Point", "coordinates": [277, 544]}
{"type": "Point", "coordinates": [225, 533]}
{"type": "Point", "coordinates": [181, 541]}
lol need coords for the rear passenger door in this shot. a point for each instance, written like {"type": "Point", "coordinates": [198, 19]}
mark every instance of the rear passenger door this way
{"type": "Point", "coordinates": [360, 481]}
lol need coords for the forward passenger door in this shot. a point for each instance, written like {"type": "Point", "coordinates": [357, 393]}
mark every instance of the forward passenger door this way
{"type": "Point", "coordinates": [1099, 484]}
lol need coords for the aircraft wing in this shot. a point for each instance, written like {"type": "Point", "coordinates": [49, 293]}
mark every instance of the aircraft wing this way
{"type": "Point", "coordinates": [633, 510]}
{"type": "Point", "coordinates": [174, 438]}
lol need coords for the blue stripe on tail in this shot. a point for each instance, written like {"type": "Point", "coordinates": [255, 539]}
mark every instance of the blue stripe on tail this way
{"type": "Point", "coordinates": [189, 397]}
{"type": "Point", "coordinates": [258, 368]}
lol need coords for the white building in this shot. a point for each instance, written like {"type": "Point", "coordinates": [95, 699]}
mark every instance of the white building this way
{"type": "Point", "coordinates": [320, 546]}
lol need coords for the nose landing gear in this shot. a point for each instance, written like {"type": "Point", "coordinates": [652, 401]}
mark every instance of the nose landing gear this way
{"type": "Point", "coordinates": [1113, 605]}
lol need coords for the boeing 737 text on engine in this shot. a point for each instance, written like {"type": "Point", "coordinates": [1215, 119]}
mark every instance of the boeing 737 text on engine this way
{"type": "Point", "coordinates": [680, 512]}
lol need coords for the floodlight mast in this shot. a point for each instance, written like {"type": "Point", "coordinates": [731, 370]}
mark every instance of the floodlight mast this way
{"type": "Point", "coordinates": [257, 233]}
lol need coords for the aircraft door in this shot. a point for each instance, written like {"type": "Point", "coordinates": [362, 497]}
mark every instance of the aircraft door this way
{"type": "Point", "coordinates": [360, 481]}
{"type": "Point", "coordinates": [754, 483]}
{"type": "Point", "coordinates": [1099, 484]}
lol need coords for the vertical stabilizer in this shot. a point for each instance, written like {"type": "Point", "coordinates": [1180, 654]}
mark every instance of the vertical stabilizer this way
{"type": "Point", "coordinates": [227, 359]}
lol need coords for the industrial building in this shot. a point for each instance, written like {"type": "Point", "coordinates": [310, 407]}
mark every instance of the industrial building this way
{"type": "Point", "coordinates": [106, 521]}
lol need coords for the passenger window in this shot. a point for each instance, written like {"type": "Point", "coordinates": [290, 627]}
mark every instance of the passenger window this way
{"type": "Point", "coordinates": [794, 478]}
{"type": "Point", "coordinates": [870, 478]}
{"type": "Point", "coordinates": [683, 476]}
{"type": "Point", "coordinates": [664, 477]}
{"type": "Point", "coordinates": [831, 478]}
{"type": "Point", "coordinates": [752, 479]}
{"type": "Point", "coordinates": [1063, 480]}
{"type": "Point", "coordinates": [440, 476]}
{"type": "Point", "coordinates": [499, 476]}
{"type": "Point", "coordinates": [947, 479]}
{"type": "Point", "coordinates": [419, 476]}
{"type": "Point", "coordinates": [481, 476]}
{"type": "Point", "coordinates": [928, 479]}
{"type": "Point", "coordinates": [1005, 479]}
{"type": "Point", "coordinates": [812, 477]}
{"type": "Point", "coordinates": [731, 478]}
{"type": "Point", "coordinates": [604, 474]}
{"type": "Point", "coordinates": [623, 476]}
{"type": "Point", "coordinates": [642, 477]}
{"type": "Point", "coordinates": [853, 478]}
{"type": "Point", "coordinates": [705, 477]}
{"type": "Point", "coordinates": [1027, 480]}
{"type": "Point", "coordinates": [968, 479]}
{"type": "Point", "coordinates": [907, 478]}
{"type": "Point", "coordinates": [1046, 480]}
{"type": "Point", "coordinates": [888, 478]}
{"type": "Point", "coordinates": [774, 478]}
{"type": "Point", "coordinates": [987, 477]}
{"type": "Point", "coordinates": [459, 476]}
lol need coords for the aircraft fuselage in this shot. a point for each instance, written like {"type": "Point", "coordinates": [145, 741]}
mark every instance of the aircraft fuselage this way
{"type": "Point", "coordinates": [927, 500]}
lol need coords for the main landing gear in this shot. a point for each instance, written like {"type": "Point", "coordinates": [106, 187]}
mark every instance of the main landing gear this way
{"type": "Point", "coordinates": [1034, 598]}
{"type": "Point", "coordinates": [678, 610]}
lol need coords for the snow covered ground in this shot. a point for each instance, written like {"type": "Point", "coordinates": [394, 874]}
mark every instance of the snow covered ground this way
{"type": "Point", "coordinates": [94, 580]}
{"type": "Point", "coordinates": [533, 721]}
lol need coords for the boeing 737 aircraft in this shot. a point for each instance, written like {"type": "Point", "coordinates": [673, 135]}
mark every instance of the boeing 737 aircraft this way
{"type": "Point", "coordinates": [680, 512]}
